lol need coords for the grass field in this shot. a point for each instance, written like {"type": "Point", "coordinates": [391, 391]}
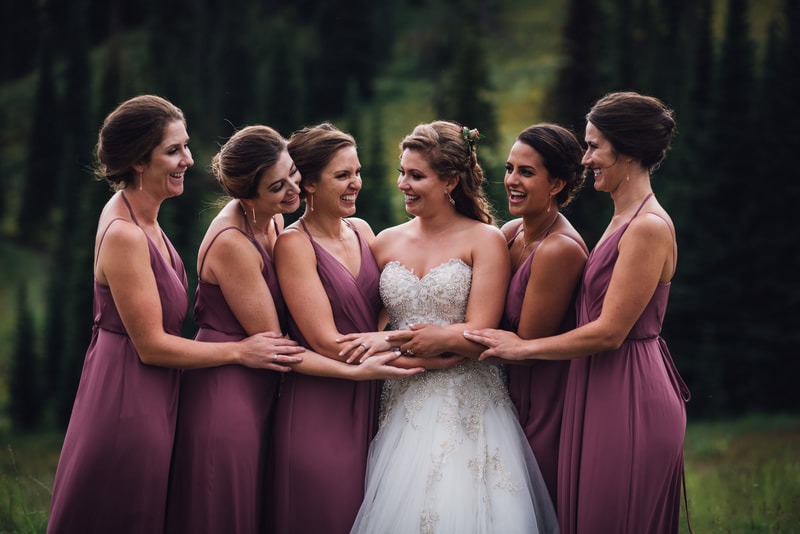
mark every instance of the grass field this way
{"type": "Point", "coordinates": [742, 476]}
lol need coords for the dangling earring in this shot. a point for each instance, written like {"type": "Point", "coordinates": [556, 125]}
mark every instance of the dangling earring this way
{"type": "Point", "coordinates": [141, 179]}
{"type": "Point", "coordinates": [254, 214]}
{"type": "Point", "coordinates": [628, 178]}
{"type": "Point", "coordinates": [548, 207]}
{"type": "Point", "coordinates": [450, 199]}
{"type": "Point", "coordinates": [311, 202]}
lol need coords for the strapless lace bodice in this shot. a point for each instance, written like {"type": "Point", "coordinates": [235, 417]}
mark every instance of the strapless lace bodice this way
{"type": "Point", "coordinates": [440, 297]}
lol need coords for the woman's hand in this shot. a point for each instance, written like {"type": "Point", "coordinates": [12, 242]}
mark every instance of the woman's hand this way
{"type": "Point", "coordinates": [379, 367]}
{"type": "Point", "coordinates": [500, 343]}
{"type": "Point", "coordinates": [269, 350]}
{"type": "Point", "coordinates": [420, 340]}
{"type": "Point", "coordinates": [361, 346]}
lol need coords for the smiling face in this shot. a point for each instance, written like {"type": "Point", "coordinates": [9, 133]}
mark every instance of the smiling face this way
{"type": "Point", "coordinates": [529, 186]}
{"type": "Point", "coordinates": [423, 189]}
{"type": "Point", "coordinates": [339, 183]}
{"type": "Point", "coordinates": [603, 160]}
{"type": "Point", "coordinates": [163, 175]}
{"type": "Point", "coordinates": [278, 189]}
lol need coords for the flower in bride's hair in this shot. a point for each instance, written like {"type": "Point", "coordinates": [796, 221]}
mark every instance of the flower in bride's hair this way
{"type": "Point", "coordinates": [471, 136]}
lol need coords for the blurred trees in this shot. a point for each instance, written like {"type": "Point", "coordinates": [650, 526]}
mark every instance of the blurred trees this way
{"type": "Point", "coordinates": [733, 293]}
{"type": "Point", "coordinates": [292, 64]}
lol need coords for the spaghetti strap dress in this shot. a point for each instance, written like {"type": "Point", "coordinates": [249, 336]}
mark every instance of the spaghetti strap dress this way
{"type": "Point", "coordinates": [224, 418]}
{"type": "Point", "coordinates": [114, 467]}
{"type": "Point", "coordinates": [621, 456]}
{"type": "Point", "coordinates": [537, 390]}
{"type": "Point", "coordinates": [323, 426]}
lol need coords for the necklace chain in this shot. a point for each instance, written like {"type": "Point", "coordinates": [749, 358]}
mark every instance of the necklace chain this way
{"type": "Point", "coordinates": [537, 237]}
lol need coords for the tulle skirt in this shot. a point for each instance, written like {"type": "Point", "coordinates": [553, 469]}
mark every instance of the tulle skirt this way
{"type": "Point", "coordinates": [451, 457]}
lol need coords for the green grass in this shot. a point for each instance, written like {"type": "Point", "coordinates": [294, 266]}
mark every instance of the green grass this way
{"type": "Point", "coordinates": [742, 476]}
{"type": "Point", "coordinates": [27, 469]}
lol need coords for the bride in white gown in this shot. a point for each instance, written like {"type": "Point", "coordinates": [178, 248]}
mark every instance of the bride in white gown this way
{"type": "Point", "coordinates": [450, 455]}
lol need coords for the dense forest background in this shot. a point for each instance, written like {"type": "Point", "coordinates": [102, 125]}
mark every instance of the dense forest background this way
{"type": "Point", "coordinates": [729, 69]}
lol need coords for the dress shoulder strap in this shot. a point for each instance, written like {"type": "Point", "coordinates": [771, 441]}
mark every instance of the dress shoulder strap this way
{"type": "Point", "coordinates": [203, 259]}
{"type": "Point", "coordinates": [516, 233]}
{"type": "Point", "coordinates": [305, 228]}
{"type": "Point", "coordinates": [102, 237]}
{"type": "Point", "coordinates": [641, 206]}
{"type": "Point", "coordinates": [130, 210]}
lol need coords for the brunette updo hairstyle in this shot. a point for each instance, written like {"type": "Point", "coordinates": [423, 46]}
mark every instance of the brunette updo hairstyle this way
{"type": "Point", "coordinates": [313, 148]}
{"type": "Point", "coordinates": [636, 125]}
{"type": "Point", "coordinates": [242, 161]}
{"type": "Point", "coordinates": [442, 144]}
{"type": "Point", "coordinates": [129, 135]}
{"type": "Point", "coordinates": [561, 154]}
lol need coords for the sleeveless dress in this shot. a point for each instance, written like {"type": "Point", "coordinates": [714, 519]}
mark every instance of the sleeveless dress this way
{"type": "Point", "coordinates": [450, 456]}
{"type": "Point", "coordinates": [323, 426]}
{"type": "Point", "coordinates": [224, 416]}
{"type": "Point", "coordinates": [114, 466]}
{"type": "Point", "coordinates": [537, 390]}
{"type": "Point", "coordinates": [621, 457]}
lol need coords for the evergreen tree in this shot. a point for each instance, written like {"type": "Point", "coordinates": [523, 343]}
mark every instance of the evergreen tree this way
{"type": "Point", "coordinates": [463, 89]}
{"type": "Point", "coordinates": [93, 195]}
{"type": "Point", "coordinates": [19, 38]}
{"type": "Point", "coordinates": [43, 148]}
{"type": "Point", "coordinates": [25, 409]}
{"type": "Point", "coordinates": [375, 199]}
{"type": "Point", "coordinates": [728, 218]}
{"type": "Point", "coordinates": [77, 143]}
{"type": "Point", "coordinates": [779, 143]}
{"type": "Point", "coordinates": [687, 325]}
{"type": "Point", "coordinates": [581, 79]}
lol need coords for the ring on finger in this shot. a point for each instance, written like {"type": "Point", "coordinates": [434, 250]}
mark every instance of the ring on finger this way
{"type": "Point", "coordinates": [275, 358]}
{"type": "Point", "coordinates": [366, 348]}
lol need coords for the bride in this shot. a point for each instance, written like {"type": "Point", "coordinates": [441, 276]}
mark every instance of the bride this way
{"type": "Point", "coordinates": [450, 456]}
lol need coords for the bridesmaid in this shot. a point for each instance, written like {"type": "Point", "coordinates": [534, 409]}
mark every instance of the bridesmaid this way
{"type": "Point", "coordinates": [621, 453]}
{"type": "Point", "coordinates": [114, 466]}
{"type": "Point", "coordinates": [329, 279]}
{"type": "Point", "coordinates": [225, 413]}
{"type": "Point", "coordinates": [543, 174]}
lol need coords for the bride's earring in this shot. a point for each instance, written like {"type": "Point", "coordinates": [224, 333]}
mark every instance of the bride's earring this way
{"type": "Point", "coordinates": [450, 199]}
{"type": "Point", "coordinates": [311, 202]}
{"type": "Point", "coordinates": [141, 179]}
{"type": "Point", "coordinates": [254, 214]}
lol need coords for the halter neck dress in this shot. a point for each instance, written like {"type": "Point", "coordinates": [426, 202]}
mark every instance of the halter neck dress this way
{"type": "Point", "coordinates": [114, 466]}
{"type": "Point", "coordinates": [621, 455]}
{"type": "Point", "coordinates": [224, 421]}
{"type": "Point", "coordinates": [323, 426]}
{"type": "Point", "coordinates": [537, 390]}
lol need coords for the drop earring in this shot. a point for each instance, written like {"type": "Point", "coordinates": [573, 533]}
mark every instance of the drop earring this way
{"type": "Point", "coordinates": [450, 199]}
{"type": "Point", "coordinates": [141, 180]}
{"type": "Point", "coordinates": [311, 202]}
{"type": "Point", "coordinates": [254, 214]}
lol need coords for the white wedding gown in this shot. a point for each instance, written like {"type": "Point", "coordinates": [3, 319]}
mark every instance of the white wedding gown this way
{"type": "Point", "coordinates": [450, 455]}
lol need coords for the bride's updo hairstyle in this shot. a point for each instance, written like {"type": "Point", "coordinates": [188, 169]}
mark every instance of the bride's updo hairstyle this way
{"type": "Point", "coordinates": [450, 153]}
{"type": "Point", "coordinates": [561, 154]}
{"type": "Point", "coordinates": [129, 135]}
{"type": "Point", "coordinates": [242, 161]}
{"type": "Point", "coordinates": [313, 148]}
{"type": "Point", "coordinates": [636, 125]}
